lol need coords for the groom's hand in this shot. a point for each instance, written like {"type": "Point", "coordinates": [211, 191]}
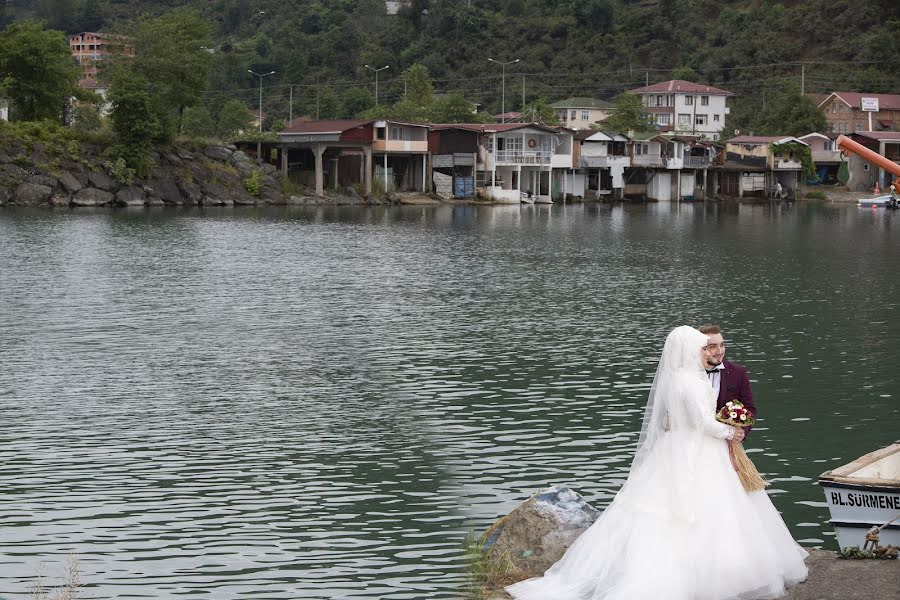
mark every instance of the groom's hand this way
{"type": "Point", "coordinates": [738, 434]}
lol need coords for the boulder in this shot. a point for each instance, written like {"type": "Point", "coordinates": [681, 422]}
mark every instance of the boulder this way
{"type": "Point", "coordinates": [100, 180]}
{"type": "Point", "coordinates": [60, 198]}
{"type": "Point", "coordinates": [31, 194]}
{"type": "Point", "coordinates": [271, 195]}
{"type": "Point", "coordinates": [212, 201]}
{"type": "Point", "coordinates": [69, 182]}
{"type": "Point", "coordinates": [167, 191]}
{"type": "Point", "coordinates": [92, 197]}
{"type": "Point", "coordinates": [172, 159]}
{"type": "Point", "coordinates": [216, 195]}
{"type": "Point", "coordinates": [217, 152]}
{"type": "Point", "coordinates": [239, 156]}
{"type": "Point", "coordinates": [184, 154]}
{"type": "Point", "coordinates": [4, 195]}
{"type": "Point", "coordinates": [47, 180]}
{"type": "Point", "coordinates": [268, 168]}
{"type": "Point", "coordinates": [538, 532]}
{"type": "Point", "coordinates": [191, 192]}
{"type": "Point", "coordinates": [130, 196]}
{"type": "Point", "coordinates": [303, 200]}
{"type": "Point", "coordinates": [12, 175]}
{"type": "Point", "coordinates": [241, 197]}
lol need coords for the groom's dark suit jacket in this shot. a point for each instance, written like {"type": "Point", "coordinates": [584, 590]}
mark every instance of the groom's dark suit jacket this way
{"type": "Point", "coordinates": [735, 385]}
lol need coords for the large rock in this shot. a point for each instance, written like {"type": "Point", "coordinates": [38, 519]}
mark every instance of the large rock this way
{"type": "Point", "coordinates": [92, 197]}
{"type": "Point", "coordinates": [12, 175]}
{"type": "Point", "coordinates": [215, 195]}
{"type": "Point", "coordinates": [47, 180]}
{"type": "Point", "coordinates": [303, 200]}
{"type": "Point", "coordinates": [268, 168]}
{"type": "Point", "coordinates": [4, 195]}
{"type": "Point", "coordinates": [167, 191]}
{"type": "Point", "coordinates": [537, 533]}
{"type": "Point", "coordinates": [191, 192]}
{"type": "Point", "coordinates": [217, 152]}
{"type": "Point", "coordinates": [32, 194]}
{"type": "Point", "coordinates": [69, 182]}
{"type": "Point", "coordinates": [130, 196]}
{"type": "Point", "coordinates": [101, 180]}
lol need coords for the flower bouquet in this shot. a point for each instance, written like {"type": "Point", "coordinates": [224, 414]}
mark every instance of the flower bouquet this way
{"type": "Point", "coordinates": [735, 413]}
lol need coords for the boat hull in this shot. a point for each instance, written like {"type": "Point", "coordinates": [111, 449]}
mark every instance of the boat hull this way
{"type": "Point", "coordinates": [855, 509]}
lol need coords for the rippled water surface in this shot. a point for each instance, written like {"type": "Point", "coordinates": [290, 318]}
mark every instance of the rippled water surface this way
{"type": "Point", "coordinates": [321, 403]}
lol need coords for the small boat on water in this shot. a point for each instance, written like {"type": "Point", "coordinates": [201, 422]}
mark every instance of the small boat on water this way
{"type": "Point", "coordinates": [876, 202]}
{"type": "Point", "coordinates": [865, 493]}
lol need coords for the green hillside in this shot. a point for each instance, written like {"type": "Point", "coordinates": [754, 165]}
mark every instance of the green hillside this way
{"type": "Point", "coordinates": [567, 47]}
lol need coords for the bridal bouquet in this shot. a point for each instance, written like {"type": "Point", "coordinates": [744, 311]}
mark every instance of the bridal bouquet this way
{"type": "Point", "coordinates": [735, 413]}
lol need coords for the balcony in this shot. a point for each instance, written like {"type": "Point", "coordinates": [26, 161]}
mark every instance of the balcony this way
{"type": "Point", "coordinates": [399, 146]}
{"type": "Point", "coordinates": [696, 162]}
{"type": "Point", "coordinates": [648, 160]}
{"type": "Point", "coordinates": [826, 156]}
{"type": "Point", "coordinates": [518, 157]}
{"type": "Point", "coordinates": [594, 162]}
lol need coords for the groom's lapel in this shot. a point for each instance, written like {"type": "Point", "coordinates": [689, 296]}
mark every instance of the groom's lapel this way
{"type": "Point", "coordinates": [723, 383]}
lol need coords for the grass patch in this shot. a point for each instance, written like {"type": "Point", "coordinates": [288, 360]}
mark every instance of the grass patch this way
{"type": "Point", "coordinates": [70, 588]}
{"type": "Point", "coordinates": [815, 195]}
{"type": "Point", "coordinates": [487, 575]}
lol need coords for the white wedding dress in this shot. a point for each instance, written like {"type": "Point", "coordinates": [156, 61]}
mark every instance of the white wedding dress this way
{"type": "Point", "coordinates": [682, 527]}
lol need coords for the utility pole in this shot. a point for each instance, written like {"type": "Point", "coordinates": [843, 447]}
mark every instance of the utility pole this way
{"type": "Point", "coordinates": [647, 79]}
{"type": "Point", "coordinates": [260, 75]}
{"type": "Point", "coordinates": [523, 92]}
{"type": "Point", "coordinates": [503, 94]}
{"type": "Point", "coordinates": [802, 79]}
{"type": "Point", "coordinates": [318, 88]}
{"type": "Point", "coordinates": [376, 79]}
{"type": "Point", "coordinates": [291, 105]}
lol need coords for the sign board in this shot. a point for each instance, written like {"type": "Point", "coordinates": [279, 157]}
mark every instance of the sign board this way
{"type": "Point", "coordinates": [868, 104]}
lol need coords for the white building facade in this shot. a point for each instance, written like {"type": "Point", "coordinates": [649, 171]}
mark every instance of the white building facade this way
{"type": "Point", "coordinates": [686, 108]}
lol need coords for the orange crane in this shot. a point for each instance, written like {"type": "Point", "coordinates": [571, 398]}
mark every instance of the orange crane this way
{"type": "Point", "coordinates": [849, 146]}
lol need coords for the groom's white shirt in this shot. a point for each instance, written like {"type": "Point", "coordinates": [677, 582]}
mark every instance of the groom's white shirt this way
{"type": "Point", "coordinates": [715, 379]}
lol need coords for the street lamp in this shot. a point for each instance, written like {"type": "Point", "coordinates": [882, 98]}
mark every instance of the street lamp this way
{"type": "Point", "coordinates": [376, 78]}
{"type": "Point", "coordinates": [503, 100]}
{"type": "Point", "coordinates": [260, 75]}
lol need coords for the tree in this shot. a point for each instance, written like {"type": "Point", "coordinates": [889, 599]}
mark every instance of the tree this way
{"type": "Point", "coordinates": [198, 122]}
{"type": "Point", "coordinates": [454, 108]}
{"type": "Point", "coordinates": [540, 111]}
{"type": "Point", "coordinates": [328, 104]}
{"type": "Point", "coordinates": [791, 113]}
{"type": "Point", "coordinates": [628, 115]}
{"type": "Point", "coordinates": [685, 73]}
{"type": "Point", "coordinates": [171, 53]}
{"type": "Point", "coordinates": [233, 118]}
{"type": "Point", "coordinates": [37, 71]}
{"type": "Point", "coordinates": [418, 86]}
{"type": "Point", "coordinates": [139, 119]}
{"type": "Point", "coordinates": [355, 102]}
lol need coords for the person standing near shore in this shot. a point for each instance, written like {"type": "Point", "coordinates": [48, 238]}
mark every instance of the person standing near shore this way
{"type": "Point", "coordinates": [729, 380]}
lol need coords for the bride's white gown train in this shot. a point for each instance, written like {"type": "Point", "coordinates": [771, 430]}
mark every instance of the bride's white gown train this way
{"type": "Point", "coordinates": [682, 527]}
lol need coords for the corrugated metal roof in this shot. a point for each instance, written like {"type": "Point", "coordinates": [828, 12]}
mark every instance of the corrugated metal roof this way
{"type": "Point", "coordinates": [335, 126]}
{"type": "Point", "coordinates": [682, 87]}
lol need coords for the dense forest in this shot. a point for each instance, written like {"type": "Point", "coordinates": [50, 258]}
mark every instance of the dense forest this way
{"type": "Point", "coordinates": [598, 48]}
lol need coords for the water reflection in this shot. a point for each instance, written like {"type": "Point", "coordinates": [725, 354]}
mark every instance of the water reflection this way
{"type": "Point", "coordinates": [320, 402]}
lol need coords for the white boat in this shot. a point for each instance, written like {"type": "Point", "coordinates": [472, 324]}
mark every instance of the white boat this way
{"type": "Point", "coordinates": [876, 202]}
{"type": "Point", "coordinates": [863, 494]}
{"type": "Point", "coordinates": [527, 198]}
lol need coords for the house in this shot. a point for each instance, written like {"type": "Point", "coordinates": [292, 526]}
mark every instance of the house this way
{"type": "Point", "coordinates": [454, 157]}
{"type": "Point", "coordinates": [669, 168]}
{"type": "Point", "coordinates": [844, 112]}
{"type": "Point", "coordinates": [601, 160]}
{"type": "Point", "coordinates": [825, 154]}
{"type": "Point", "coordinates": [580, 113]}
{"type": "Point", "coordinates": [520, 158]}
{"type": "Point", "coordinates": [863, 174]}
{"type": "Point", "coordinates": [90, 50]}
{"type": "Point", "coordinates": [390, 154]}
{"type": "Point", "coordinates": [686, 107]}
{"type": "Point", "coordinates": [753, 164]}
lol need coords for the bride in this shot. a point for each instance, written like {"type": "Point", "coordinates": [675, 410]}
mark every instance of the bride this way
{"type": "Point", "coordinates": [682, 527]}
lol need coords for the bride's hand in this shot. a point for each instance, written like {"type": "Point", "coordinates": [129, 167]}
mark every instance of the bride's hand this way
{"type": "Point", "coordinates": [738, 434]}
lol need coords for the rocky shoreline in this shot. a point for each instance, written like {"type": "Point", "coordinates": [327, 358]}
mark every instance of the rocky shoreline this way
{"type": "Point", "coordinates": [213, 175]}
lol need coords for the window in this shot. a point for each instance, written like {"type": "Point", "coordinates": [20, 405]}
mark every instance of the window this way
{"type": "Point", "coordinates": [379, 133]}
{"type": "Point", "coordinates": [396, 133]}
{"type": "Point", "coordinates": [689, 100]}
{"type": "Point", "coordinates": [659, 101]}
{"type": "Point", "coordinates": [716, 118]}
{"type": "Point", "coordinates": [700, 120]}
{"type": "Point", "coordinates": [514, 144]}
{"type": "Point", "coordinates": [704, 100]}
{"type": "Point", "coordinates": [585, 115]}
{"type": "Point", "coordinates": [574, 114]}
{"type": "Point", "coordinates": [640, 149]}
{"type": "Point", "coordinates": [489, 143]}
{"type": "Point", "coordinates": [663, 119]}
{"type": "Point", "coordinates": [684, 119]}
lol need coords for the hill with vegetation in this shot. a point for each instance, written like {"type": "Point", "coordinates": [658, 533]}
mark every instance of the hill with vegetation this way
{"type": "Point", "coordinates": [598, 48]}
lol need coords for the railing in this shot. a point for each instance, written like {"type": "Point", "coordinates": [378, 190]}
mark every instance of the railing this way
{"type": "Point", "coordinates": [594, 162]}
{"type": "Point", "coordinates": [648, 160]}
{"type": "Point", "coordinates": [519, 157]}
{"type": "Point", "coordinates": [696, 162]}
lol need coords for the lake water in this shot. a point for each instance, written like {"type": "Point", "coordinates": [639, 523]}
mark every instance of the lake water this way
{"type": "Point", "coordinates": [321, 403]}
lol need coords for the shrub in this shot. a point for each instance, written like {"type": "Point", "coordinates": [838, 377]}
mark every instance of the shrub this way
{"type": "Point", "coordinates": [253, 183]}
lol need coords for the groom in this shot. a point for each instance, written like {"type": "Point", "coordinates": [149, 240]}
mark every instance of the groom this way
{"type": "Point", "coordinates": [729, 380]}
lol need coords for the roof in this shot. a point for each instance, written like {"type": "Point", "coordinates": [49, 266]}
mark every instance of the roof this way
{"type": "Point", "coordinates": [583, 102]}
{"type": "Point", "coordinates": [336, 126]}
{"type": "Point", "coordinates": [681, 86]}
{"type": "Point", "coordinates": [764, 139]}
{"type": "Point", "coordinates": [852, 99]}
{"type": "Point", "coordinates": [495, 127]}
{"type": "Point", "coordinates": [881, 136]}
